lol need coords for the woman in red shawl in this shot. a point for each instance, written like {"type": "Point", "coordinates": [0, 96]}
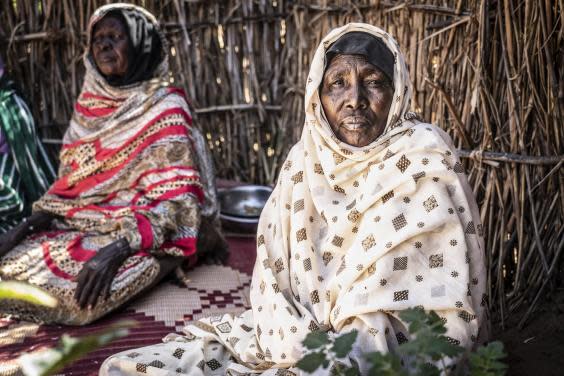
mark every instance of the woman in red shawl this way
{"type": "Point", "coordinates": [135, 191]}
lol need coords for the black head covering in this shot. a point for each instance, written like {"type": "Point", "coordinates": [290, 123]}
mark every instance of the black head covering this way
{"type": "Point", "coordinates": [360, 43]}
{"type": "Point", "coordinates": [145, 51]}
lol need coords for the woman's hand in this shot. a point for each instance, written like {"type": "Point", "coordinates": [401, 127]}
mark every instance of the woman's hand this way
{"type": "Point", "coordinates": [95, 278]}
{"type": "Point", "coordinates": [37, 222]}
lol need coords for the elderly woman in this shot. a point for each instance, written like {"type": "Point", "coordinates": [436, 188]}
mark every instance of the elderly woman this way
{"type": "Point", "coordinates": [372, 214]}
{"type": "Point", "coordinates": [134, 197]}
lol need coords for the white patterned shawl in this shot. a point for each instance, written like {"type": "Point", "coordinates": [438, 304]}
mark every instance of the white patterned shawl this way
{"type": "Point", "coordinates": [352, 236]}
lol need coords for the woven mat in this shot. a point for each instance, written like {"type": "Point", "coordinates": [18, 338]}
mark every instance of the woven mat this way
{"type": "Point", "coordinates": [210, 289]}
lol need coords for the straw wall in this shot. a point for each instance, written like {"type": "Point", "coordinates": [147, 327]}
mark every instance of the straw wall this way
{"type": "Point", "coordinates": [489, 72]}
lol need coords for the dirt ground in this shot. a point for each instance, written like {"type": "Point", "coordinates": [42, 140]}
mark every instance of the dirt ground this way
{"type": "Point", "coordinates": [538, 348]}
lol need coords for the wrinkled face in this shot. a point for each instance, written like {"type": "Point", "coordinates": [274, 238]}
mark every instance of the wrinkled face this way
{"type": "Point", "coordinates": [110, 43]}
{"type": "Point", "coordinates": [356, 98]}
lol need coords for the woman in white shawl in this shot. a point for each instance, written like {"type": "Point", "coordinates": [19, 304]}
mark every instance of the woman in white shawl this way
{"type": "Point", "coordinates": [372, 214]}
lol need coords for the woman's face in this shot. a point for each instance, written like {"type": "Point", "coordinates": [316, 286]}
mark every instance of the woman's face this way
{"type": "Point", "coordinates": [356, 98]}
{"type": "Point", "coordinates": [110, 43]}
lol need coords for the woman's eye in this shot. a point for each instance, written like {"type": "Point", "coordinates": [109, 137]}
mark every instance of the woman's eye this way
{"type": "Point", "coordinates": [337, 83]}
{"type": "Point", "coordinates": [375, 83]}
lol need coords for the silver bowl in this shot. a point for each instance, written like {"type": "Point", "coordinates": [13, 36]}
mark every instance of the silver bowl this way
{"type": "Point", "coordinates": [241, 206]}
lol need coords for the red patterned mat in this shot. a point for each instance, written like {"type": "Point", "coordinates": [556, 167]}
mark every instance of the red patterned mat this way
{"type": "Point", "coordinates": [210, 289]}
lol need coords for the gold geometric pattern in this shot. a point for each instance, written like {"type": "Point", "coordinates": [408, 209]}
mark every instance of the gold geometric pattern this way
{"type": "Point", "coordinates": [314, 297]}
{"type": "Point", "coordinates": [403, 163]}
{"type": "Point", "coordinates": [400, 263]}
{"type": "Point", "coordinates": [354, 216]}
{"type": "Point", "coordinates": [327, 257]}
{"type": "Point", "coordinates": [368, 242]}
{"type": "Point", "coordinates": [430, 203]}
{"type": "Point", "coordinates": [298, 177]}
{"type": "Point", "coordinates": [470, 230]}
{"type": "Point", "coordinates": [213, 364]}
{"type": "Point", "coordinates": [401, 295]}
{"type": "Point", "coordinates": [338, 158]}
{"type": "Point", "coordinates": [299, 205]}
{"type": "Point", "coordinates": [389, 154]}
{"type": "Point", "coordinates": [418, 175]}
{"type": "Point", "coordinates": [178, 353]}
{"type": "Point", "coordinates": [387, 196]}
{"type": "Point", "coordinates": [260, 240]}
{"type": "Point", "coordinates": [337, 241]}
{"type": "Point", "coordinates": [279, 265]}
{"type": "Point", "coordinates": [276, 288]}
{"type": "Point", "coordinates": [288, 165]}
{"type": "Point", "coordinates": [301, 235]}
{"type": "Point", "coordinates": [338, 189]}
{"type": "Point", "coordinates": [436, 261]}
{"type": "Point", "coordinates": [399, 222]}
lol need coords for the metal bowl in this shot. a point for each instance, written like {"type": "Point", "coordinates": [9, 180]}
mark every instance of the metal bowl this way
{"type": "Point", "coordinates": [245, 201]}
{"type": "Point", "coordinates": [241, 206]}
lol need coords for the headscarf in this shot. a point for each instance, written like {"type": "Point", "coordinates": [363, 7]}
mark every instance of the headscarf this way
{"type": "Point", "coordinates": [145, 49]}
{"type": "Point", "coordinates": [130, 100]}
{"type": "Point", "coordinates": [367, 45]}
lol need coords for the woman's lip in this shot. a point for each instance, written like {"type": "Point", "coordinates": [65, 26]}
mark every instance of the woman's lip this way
{"type": "Point", "coordinates": [106, 59]}
{"type": "Point", "coordinates": [354, 123]}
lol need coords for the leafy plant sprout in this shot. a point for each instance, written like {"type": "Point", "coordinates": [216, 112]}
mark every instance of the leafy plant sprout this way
{"type": "Point", "coordinates": [427, 348]}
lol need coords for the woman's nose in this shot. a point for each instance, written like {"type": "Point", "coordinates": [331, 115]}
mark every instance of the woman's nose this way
{"type": "Point", "coordinates": [103, 43]}
{"type": "Point", "coordinates": [356, 97]}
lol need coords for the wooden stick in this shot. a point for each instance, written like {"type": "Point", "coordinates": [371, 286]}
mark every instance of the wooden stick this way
{"type": "Point", "coordinates": [236, 107]}
{"type": "Point", "coordinates": [510, 157]}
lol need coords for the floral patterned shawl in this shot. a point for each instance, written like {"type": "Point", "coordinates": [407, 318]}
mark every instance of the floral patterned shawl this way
{"type": "Point", "coordinates": [127, 164]}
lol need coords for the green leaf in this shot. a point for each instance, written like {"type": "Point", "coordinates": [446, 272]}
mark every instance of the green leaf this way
{"type": "Point", "coordinates": [340, 369]}
{"type": "Point", "coordinates": [440, 347]}
{"type": "Point", "coordinates": [413, 315]}
{"type": "Point", "coordinates": [311, 362]}
{"type": "Point", "coordinates": [315, 340]}
{"type": "Point", "coordinates": [385, 364]}
{"type": "Point", "coordinates": [352, 372]}
{"type": "Point", "coordinates": [486, 360]}
{"type": "Point", "coordinates": [428, 369]}
{"type": "Point", "coordinates": [26, 292]}
{"type": "Point", "coordinates": [70, 349]}
{"type": "Point", "coordinates": [343, 344]}
{"type": "Point", "coordinates": [435, 323]}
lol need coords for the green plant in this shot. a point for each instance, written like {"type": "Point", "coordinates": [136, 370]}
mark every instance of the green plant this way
{"type": "Point", "coordinates": [427, 348]}
{"type": "Point", "coordinates": [486, 361]}
{"type": "Point", "coordinates": [428, 345]}
{"type": "Point", "coordinates": [328, 351]}
{"type": "Point", "coordinates": [70, 349]}
{"type": "Point", "coordinates": [25, 292]}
